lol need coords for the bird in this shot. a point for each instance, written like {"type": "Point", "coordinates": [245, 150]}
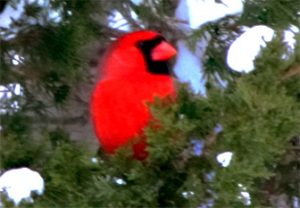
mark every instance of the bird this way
{"type": "Point", "coordinates": [134, 71]}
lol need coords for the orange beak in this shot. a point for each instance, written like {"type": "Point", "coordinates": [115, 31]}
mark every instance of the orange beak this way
{"type": "Point", "coordinates": [163, 51]}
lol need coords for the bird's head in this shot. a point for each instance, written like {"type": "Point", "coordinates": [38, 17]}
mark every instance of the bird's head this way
{"type": "Point", "coordinates": [139, 53]}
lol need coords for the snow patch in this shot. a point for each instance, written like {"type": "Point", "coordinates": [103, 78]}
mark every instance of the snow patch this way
{"type": "Point", "coordinates": [289, 37]}
{"type": "Point", "coordinates": [188, 68]}
{"type": "Point", "coordinates": [94, 160]}
{"type": "Point", "coordinates": [137, 2]}
{"type": "Point", "coordinates": [243, 51]}
{"type": "Point", "coordinates": [225, 158]}
{"type": "Point", "coordinates": [193, 14]}
{"type": "Point", "coordinates": [244, 195]}
{"type": "Point", "coordinates": [203, 11]}
{"type": "Point", "coordinates": [188, 194]}
{"type": "Point", "coordinates": [198, 146]}
{"type": "Point", "coordinates": [6, 91]}
{"type": "Point", "coordinates": [18, 184]}
{"type": "Point", "coordinates": [17, 59]}
{"type": "Point", "coordinates": [120, 181]}
{"type": "Point", "coordinates": [116, 20]}
{"type": "Point", "coordinates": [246, 47]}
{"type": "Point", "coordinates": [9, 14]}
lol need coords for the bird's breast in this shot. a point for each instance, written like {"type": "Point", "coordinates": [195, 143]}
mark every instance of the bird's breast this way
{"type": "Point", "coordinates": [119, 107]}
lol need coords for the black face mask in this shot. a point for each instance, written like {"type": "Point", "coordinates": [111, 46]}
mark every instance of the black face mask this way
{"type": "Point", "coordinates": [155, 67]}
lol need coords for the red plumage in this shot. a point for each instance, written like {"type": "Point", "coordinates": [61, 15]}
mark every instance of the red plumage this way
{"type": "Point", "coordinates": [133, 73]}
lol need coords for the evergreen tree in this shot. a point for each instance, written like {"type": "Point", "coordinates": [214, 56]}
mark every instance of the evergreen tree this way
{"type": "Point", "coordinates": [46, 127]}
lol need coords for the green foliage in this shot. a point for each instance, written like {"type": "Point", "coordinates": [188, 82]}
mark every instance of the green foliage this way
{"type": "Point", "coordinates": [259, 114]}
{"type": "Point", "coordinates": [279, 15]}
{"type": "Point", "coordinates": [274, 14]}
{"type": "Point", "coordinates": [52, 49]}
{"type": "Point", "coordinates": [257, 124]}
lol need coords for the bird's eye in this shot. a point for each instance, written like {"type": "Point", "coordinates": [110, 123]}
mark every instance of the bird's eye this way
{"type": "Point", "coordinates": [140, 43]}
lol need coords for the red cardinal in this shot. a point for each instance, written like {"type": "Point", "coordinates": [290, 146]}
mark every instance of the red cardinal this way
{"type": "Point", "coordinates": [133, 73]}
